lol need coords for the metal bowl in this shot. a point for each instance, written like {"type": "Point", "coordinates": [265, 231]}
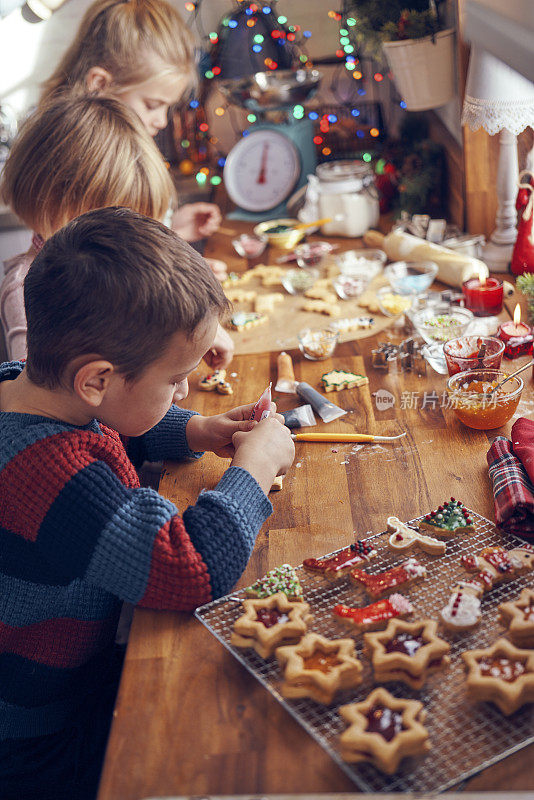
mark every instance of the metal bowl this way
{"type": "Point", "coordinates": [276, 89]}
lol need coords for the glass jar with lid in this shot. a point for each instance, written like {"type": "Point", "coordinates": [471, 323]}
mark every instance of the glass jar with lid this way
{"type": "Point", "coordinates": [347, 194]}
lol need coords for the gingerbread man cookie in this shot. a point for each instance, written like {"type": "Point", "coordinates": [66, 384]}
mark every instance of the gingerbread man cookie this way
{"type": "Point", "coordinates": [352, 324]}
{"type": "Point", "coordinates": [495, 564]}
{"type": "Point", "coordinates": [383, 730]}
{"type": "Point", "coordinates": [407, 651]}
{"type": "Point", "coordinates": [404, 538]}
{"type": "Point", "coordinates": [215, 381]}
{"type": "Point", "coordinates": [265, 303]}
{"type": "Point", "coordinates": [242, 320]}
{"type": "Point", "coordinates": [319, 292]}
{"type": "Point", "coordinates": [382, 583]}
{"type": "Point", "coordinates": [237, 295]}
{"type": "Point", "coordinates": [338, 565]}
{"type": "Point", "coordinates": [321, 307]}
{"type": "Point", "coordinates": [317, 667]}
{"type": "Point", "coordinates": [270, 622]}
{"type": "Point", "coordinates": [375, 615]}
{"type": "Point", "coordinates": [280, 579]}
{"type": "Point", "coordinates": [235, 279]}
{"type": "Point", "coordinates": [518, 615]}
{"type": "Point", "coordinates": [501, 674]}
{"type": "Point", "coordinates": [448, 520]}
{"type": "Point", "coordinates": [338, 379]}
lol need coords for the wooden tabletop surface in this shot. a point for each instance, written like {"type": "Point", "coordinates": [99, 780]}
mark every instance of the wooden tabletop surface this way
{"type": "Point", "coordinates": [189, 719]}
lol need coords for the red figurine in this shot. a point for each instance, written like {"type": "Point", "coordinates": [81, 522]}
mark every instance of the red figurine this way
{"type": "Point", "coordinates": [523, 255]}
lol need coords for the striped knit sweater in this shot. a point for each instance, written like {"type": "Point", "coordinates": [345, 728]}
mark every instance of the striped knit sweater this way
{"type": "Point", "coordinates": [78, 536]}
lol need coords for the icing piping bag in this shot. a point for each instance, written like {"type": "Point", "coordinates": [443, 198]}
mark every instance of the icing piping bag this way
{"type": "Point", "coordinates": [262, 409]}
{"type": "Point", "coordinates": [326, 410]}
{"type": "Point", "coordinates": [343, 437]}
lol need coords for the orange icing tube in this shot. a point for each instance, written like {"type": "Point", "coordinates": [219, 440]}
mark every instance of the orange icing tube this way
{"type": "Point", "coordinates": [286, 375]}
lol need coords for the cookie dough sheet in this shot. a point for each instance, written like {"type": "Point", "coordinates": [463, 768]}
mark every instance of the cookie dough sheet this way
{"type": "Point", "coordinates": [287, 318]}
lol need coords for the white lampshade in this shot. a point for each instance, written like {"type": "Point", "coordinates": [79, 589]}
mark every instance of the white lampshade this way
{"type": "Point", "coordinates": [496, 96]}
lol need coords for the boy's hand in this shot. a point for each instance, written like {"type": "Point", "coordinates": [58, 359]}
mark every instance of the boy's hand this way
{"type": "Point", "coordinates": [267, 450]}
{"type": "Point", "coordinates": [216, 433]}
{"type": "Point", "coordinates": [222, 350]}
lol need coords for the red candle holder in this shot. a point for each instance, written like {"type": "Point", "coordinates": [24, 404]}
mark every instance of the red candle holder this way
{"type": "Point", "coordinates": [517, 338]}
{"type": "Point", "coordinates": [483, 297]}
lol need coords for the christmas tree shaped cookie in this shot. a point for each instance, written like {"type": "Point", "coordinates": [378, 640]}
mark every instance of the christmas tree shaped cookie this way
{"type": "Point", "coordinates": [280, 579]}
{"type": "Point", "coordinates": [448, 520]}
{"type": "Point", "coordinates": [338, 379]}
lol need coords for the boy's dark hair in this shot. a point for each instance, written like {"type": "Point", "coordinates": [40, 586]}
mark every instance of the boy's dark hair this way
{"type": "Point", "coordinates": [115, 284]}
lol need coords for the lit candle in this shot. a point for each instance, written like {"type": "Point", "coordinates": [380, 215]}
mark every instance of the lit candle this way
{"type": "Point", "coordinates": [483, 295]}
{"type": "Point", "coordinates": [516, 335]}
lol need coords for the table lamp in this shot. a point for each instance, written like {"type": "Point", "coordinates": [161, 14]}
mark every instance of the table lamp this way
{"type": "Point", "coordinates": [499, 99]}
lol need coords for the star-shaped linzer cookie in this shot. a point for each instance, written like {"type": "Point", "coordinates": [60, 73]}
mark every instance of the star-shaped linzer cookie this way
{"type": "Point", "coordinates": [317, 667]}
{"type": "Point", "coordinates": [501, 674]}
{"type": "Point", "coordinates": [383, 730]}
{"type": "Point", "coordinates": [270, 622]}
{"type": "Point", "coordinates": [407, 652]}
{"type": "Point", "coordinates": [518, 615]}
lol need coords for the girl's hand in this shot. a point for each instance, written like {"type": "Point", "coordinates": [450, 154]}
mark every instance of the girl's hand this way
{"type": "Point", "coordinates": [216, 433]}
{"type": "Point", "coordinates": [195, 221]}
{"type": "Point", "coordinates": [222, 350]}
{"type": "Point", "coordinates": [218, 267]}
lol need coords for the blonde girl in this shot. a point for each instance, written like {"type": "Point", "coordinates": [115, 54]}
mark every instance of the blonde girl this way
{"type": "Point", "coordinates": [141, 53]}
{"type": "Point", "coordinates": [74, 155]}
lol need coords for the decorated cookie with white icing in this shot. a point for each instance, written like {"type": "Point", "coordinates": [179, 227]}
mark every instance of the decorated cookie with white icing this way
{"type": "Point", "coordinates": [462, 611]}
{"type": "Point", "coordinates": [404, 538]}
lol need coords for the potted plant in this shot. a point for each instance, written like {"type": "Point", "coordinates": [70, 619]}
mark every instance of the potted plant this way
{"type": "Point", "coordinates": [417, 47]}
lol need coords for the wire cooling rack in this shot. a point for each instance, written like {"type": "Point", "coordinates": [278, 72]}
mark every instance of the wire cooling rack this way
{"type": "Point", "coordinates": [465, 737]}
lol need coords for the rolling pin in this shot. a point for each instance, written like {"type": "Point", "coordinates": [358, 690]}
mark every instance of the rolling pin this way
{"type": "Point", "coordinates": [453, 268]}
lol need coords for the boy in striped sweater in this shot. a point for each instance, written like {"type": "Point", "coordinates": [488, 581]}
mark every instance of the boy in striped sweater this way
{"type": "Point", "coordinates": [119, 311]}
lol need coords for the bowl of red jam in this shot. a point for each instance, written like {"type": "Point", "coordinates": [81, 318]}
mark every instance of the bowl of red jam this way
{"type": "Point", "coordinates": [473, 352]}
{"type": "Point", "coordinates": [472, 397]}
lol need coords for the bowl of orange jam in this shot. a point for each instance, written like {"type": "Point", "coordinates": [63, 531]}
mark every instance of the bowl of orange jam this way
{"type": "Point", "coordinates": [474, 402]}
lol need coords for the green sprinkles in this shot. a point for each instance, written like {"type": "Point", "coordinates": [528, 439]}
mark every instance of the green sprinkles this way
{"type": "Point", "coordinates": [281, 579]}
{"type": "Point", "coordinates": [449, 516]}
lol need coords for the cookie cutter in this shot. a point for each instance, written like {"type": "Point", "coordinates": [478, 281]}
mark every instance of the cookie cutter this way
{"type": "Point", "coordinates": [384, 355]}
{"type": "Point", "coordinates": [408, 355]}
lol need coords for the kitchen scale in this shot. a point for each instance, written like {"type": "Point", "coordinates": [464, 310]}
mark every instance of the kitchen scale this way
{"type": "Point", "coordinates": [276, 155]}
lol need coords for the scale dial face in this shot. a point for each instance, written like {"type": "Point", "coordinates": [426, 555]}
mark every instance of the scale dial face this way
{"type": "Point", "coordinates": [261, 170]}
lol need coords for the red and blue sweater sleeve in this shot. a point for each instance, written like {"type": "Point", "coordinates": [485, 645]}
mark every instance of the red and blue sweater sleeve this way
{"type": "Point", "coordinates": [165, 441]}
{"type": "Point", "coordinates": [86, 521]}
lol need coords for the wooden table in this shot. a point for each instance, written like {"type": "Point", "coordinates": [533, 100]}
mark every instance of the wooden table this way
{"type": "Point", "coordinates": [189, 719]}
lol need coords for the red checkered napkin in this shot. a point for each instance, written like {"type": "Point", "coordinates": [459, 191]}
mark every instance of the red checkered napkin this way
{"type": "Point", "coordinates": [513, 493]}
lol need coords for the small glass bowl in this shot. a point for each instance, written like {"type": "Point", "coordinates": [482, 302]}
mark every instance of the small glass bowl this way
{"type": "Point", "coordinates": [364, 264]}
{"type": "Point", "coordinates": [312, 254]}
{"type": "Point", "coordinates": [297, 281]}
{"type": "Point", "coordinates": [439, 327]}
{"type": "Point", "coordinates": [248, 246]}
{"type": "Point", "coordinates": [287, 237]}
{"type": "Point", "coordinates": [316, 345]}
{"type": "Point", "coordinates": [411, 278]}
{"type": "Point", "coordinates": [392, 303]}
{"type": "Point", "coordinates": [347, 287]}
{"type": "Point", "coordinates": [470, 401]}
{"type": "Point", "coordinates": [462, 354]}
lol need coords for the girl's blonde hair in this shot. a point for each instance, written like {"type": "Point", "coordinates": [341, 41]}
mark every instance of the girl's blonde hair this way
{"type": "Point", "coordinates": [79, 153]}
{"type": "Point", "coordinates": [134, 40]}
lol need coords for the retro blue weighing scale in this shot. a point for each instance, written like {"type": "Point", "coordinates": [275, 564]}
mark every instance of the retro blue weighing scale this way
{"type": "Point", "coordinates": [277, 153]}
